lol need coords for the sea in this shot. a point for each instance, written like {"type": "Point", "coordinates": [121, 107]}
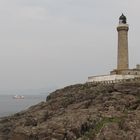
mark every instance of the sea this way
{"type": "Point", "coordinates": [10, 106]}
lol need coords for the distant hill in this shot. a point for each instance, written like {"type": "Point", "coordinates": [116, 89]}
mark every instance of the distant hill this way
{"type": "Point", "coordinates": [80, 112]}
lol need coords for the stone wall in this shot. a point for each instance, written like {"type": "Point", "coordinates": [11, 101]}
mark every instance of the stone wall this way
{"type": "Point", "coordinates": [126, 72]}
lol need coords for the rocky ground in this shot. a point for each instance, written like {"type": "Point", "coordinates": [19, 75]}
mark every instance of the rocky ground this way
{"type": "Point", "coordinates": [80, 112]}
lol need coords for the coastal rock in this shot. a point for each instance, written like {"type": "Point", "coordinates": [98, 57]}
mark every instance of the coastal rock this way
{"type": "Point", "coordinates": [80, 112]}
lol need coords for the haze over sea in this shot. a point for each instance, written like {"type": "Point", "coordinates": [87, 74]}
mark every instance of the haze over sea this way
{"type": "Point", "coordinates": [9, 106]}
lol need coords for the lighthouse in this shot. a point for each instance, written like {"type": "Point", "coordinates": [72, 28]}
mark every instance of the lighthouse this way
{"type": "Point", "coordinates": [123, 57]}
{"type": "Point", "coordinates": [122, 72]}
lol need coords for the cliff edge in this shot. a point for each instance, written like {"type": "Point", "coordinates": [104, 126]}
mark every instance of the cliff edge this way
{"type": "Point", "coordinates": [80, 112]}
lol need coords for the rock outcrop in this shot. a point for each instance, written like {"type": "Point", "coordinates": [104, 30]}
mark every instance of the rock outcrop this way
{"type": "Point", "coordinates": [80, 112]}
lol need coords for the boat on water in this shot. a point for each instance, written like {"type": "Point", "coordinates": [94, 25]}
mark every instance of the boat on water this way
{"type": "Point", "coordinates": [18, 97]}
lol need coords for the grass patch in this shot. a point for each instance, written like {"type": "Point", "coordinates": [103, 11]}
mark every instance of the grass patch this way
{"type": "Point", "coordinates": [106, 121]}
{"type": "Point", "coordinates": [90, 135]}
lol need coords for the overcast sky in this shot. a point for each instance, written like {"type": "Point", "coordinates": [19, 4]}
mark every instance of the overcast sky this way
{"type": "Point", "coordinates": [47, 43]}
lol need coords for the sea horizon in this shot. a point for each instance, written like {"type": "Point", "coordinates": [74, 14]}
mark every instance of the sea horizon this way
{"type": "Point", "coordinates": [10, 106]}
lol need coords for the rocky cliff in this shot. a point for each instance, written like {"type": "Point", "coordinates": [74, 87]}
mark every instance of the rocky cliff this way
{"type": "Point", "coordinates": [80, 112]}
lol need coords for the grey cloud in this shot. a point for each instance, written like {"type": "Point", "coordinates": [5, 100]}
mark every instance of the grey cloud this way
{"type": "Point", "coordinates": [51, 42]}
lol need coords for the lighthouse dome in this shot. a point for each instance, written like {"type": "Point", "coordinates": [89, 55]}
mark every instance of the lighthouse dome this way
{"type": "Point", "coordinates": [122, 19]}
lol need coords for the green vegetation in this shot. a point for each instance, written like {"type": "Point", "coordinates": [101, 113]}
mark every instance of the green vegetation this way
{"type": "Point", "coordinates": [92, 132]}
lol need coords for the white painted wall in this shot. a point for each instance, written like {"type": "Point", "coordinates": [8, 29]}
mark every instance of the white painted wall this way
{"type": "Point", "coordinates": [110, 78]}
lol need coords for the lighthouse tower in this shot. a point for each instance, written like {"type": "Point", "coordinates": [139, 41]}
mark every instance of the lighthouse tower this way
{"type": "Point", "coordinates": [122, 73]}
{"type": "Point", "coordinates": [123, 58]}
